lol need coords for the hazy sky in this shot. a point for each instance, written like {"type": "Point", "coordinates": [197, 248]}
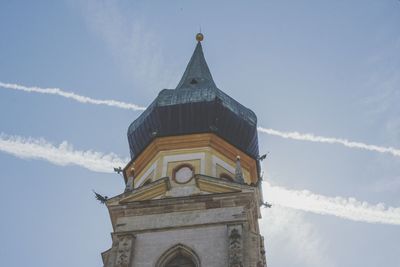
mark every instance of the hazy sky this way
{"type": "Point", "coordinates": [325, 67]}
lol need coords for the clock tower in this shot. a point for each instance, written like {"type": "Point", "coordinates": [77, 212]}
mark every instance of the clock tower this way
{"type": "Point", "coordinates": [193, 194]}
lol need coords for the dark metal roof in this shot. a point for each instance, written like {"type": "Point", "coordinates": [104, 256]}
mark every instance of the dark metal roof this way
{"type": "Point", "coordinates": [195, 106]}
{"type": "Point", "coordinates": [197, 73]}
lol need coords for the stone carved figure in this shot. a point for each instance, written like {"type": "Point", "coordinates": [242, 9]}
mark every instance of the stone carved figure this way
{"type": "Point", "coordinates": [263, 261]}
{"type": "Point", "coordinates": [124, 251]}
{"type": "Point", "coordinates": [235, 246]}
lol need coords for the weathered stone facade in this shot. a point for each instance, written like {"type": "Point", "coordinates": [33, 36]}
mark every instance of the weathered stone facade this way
{"type": "Point", "coordinates": [220, 228]}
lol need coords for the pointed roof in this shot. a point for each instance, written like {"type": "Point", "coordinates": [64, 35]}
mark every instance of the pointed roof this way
{"type": "Point", "coordinates": [197, 73]}
{"type": "Point", "coordinates": [196, 105]}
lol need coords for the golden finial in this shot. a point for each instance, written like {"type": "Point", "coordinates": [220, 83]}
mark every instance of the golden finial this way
{"type": "Point", "coordinates": [199, 37]}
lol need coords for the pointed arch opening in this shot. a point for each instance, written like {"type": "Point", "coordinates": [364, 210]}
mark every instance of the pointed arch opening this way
{"type": "Point", "coordinates": [179, 256]}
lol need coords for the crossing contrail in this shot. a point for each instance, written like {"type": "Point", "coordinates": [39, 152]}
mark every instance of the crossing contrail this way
{"type": "Point", "coordinates": [288, 135]}
{"type": "Point", "coordinates": [63, 154]}
{"type": "Point", "coordinates": [330, 140]}
{"type": "Point", "coordinates": [76, 97]}
{"type": "Point", "coordinates": [346, 208]}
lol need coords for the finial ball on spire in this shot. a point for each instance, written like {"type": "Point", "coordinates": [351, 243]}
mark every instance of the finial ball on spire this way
{"type": "Point", "coordinates": [199, 37]}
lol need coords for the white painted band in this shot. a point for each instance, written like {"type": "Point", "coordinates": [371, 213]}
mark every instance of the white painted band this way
{"type": "Point", "coordinates": [182, 157]}
{"type": "Point", "coordinates": [215, 161]}
{"type": "Point", "coordinates": [146, 174]}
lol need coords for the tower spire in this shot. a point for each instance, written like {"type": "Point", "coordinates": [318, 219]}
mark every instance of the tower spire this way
{"type": "Point", "coordinates": [197, 73]}
{"type": "Point", "coordinates": [182, 176]}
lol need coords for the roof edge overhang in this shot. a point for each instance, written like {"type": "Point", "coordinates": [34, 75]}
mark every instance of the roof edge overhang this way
{"type": "Point", "coordinates": [194, 140]}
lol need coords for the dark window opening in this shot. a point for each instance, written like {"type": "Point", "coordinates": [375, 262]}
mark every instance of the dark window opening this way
{"type": "Point", "coordinates": [147, 182]}
{"type": "Point", "coordinates": [180, 261]}
{"type": "Point", "coordinates": [226, 176]}
{"type": "Point", "coordinates": [179, 256]}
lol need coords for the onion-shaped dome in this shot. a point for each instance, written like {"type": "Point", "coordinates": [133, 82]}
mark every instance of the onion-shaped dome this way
{"type": "Point", "coordinates": [196, 105]}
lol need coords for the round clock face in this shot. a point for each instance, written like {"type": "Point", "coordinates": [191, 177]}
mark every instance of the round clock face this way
{"type": "Point", "coordinates": [183, 175]}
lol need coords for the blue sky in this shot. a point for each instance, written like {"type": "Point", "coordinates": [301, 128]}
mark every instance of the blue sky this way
{"type": "Point", "coordinates": [324, 67]}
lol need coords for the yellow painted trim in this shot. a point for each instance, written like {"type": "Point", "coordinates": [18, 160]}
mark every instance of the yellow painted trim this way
{"type": "Point", "coordinates": [152, 192]}
{"type": "Point", "coordinates": [192, 141]}
{"type": "Point", "coordinates": [212, 187]}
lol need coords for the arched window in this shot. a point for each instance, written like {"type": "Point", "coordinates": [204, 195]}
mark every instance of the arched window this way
{"type": "Point", "coordinates": [179, 256]}
{"type": "Point", "coordinates": [180, 261]}
{"type": "Point", "coordinates": [183, 173]}
{"type": "Point", "coordinates": [226, 176]}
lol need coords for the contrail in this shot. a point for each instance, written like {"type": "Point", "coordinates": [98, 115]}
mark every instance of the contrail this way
{"type": "Point", "coordinates": [330, 140]}
{"type": "Point", "coordinates": [76, 97]}
{"type": "Point", "coordinates": [347, 208]}
{"type": "Point", "coordinates": [289, 135]}
{"type": "Point", "coordinates": [63, 154]}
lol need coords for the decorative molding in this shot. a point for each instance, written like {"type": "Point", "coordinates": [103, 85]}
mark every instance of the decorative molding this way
{"type": "Point", "coordinates": [235, 249]}
{"type": "Point", "coordinates": [216, 186]}
{"type": "Point", "coordinates": [153, 167]}
{"type": "Point", "coordinates": [144, 221]}
{"type": "Point", "coordinates": [150, 191]}
{"type": "Point", "coordinates": [191, 141]}
{"type": "Point", "coordinates": [263, 260]}
{"type": "Point", "coordinates": [177, 168]}
{"type": "Point", "coordinates": [183, 157]}
{"type": "Point", "coordinates": [121, 253]}
{"type": "Point", "coordinates": [216, 160]}
{"type": "Point", "coordinates": [124, 247]}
